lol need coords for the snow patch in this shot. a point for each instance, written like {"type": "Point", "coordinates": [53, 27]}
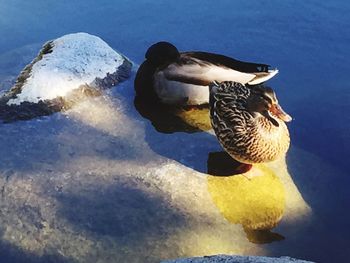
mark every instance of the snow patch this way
{"type": "Point", "coordinates": [75, 60]}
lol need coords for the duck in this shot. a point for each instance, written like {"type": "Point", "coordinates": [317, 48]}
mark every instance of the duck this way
{"type": "Point", "coordinates": [182, 78]}
{"type": "Point", "coordinates": [248, 121]}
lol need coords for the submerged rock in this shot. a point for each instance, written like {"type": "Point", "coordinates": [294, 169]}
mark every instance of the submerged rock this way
{"type": "Point", "coordinates": [236, 259]}
{"type": "Point", "coordinates": [65, 71]}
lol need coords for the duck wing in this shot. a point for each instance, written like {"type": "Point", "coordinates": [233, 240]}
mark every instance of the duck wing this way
{"type": "Point", "coordinates": [261, 72]}
{"type": "Point", "coordinates": [224, 61]}
{"type": "Point", "coordinates": [191, 70]}
{"type": "Point", "coordinates": [201, 68]}
{"type": "Point", "coordinates": [226, 107]}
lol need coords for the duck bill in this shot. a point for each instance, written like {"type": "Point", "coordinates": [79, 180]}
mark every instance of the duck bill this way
{"type": "Point", "coordinates": [280, 113]}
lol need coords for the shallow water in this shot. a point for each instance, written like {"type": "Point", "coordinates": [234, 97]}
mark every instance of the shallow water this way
{"type": "Point", "coordinates": [100, 183]}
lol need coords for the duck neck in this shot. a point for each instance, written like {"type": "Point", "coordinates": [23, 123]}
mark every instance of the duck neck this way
{"type": "Point", "coordinates": [275, 137]}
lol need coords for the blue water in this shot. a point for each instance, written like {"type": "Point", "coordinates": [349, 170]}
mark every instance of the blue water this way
{"type": "Point", "coordinates": [308, 41]}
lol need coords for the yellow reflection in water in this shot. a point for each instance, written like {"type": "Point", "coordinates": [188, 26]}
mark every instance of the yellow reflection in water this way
{"type": "Point", "coordinates": [196, 117]}
{"type": "Point", "coordinates": [257, 203]}
{"type": "Point", "coordinates": [170, 119]}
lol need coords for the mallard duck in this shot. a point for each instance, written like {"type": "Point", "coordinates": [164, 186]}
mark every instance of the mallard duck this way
{"type": "Point", "coordinates": [182, 78]}
{"type": "Point", "coordinates": [248, 121]}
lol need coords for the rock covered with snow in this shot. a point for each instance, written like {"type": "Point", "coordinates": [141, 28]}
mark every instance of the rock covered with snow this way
{"type": "Point", "coordinates": [236, 259]}
{"type": "Point", "coordinates": [65, 70]}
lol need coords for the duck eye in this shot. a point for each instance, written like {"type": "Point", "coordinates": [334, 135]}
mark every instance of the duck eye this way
{"type": "Point", "coordinates": [268, 99]}
{"type": "Point", "coordinates": [265, 99]}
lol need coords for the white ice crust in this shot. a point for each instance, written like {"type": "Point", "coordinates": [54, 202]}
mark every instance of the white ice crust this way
{"type": "Point", "coordinates": [76, 59]}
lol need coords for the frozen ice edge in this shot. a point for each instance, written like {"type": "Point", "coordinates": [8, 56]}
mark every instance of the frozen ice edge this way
{"type": "Point", "coordinates": [236, 259]}
{"type": "Point", "coordinates": [76, 59]}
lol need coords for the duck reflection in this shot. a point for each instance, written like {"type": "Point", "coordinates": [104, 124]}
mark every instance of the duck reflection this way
{"type": "Point", "coordinates": [257, 201]}
{"type": "Point", "coordinates": [170, 119]}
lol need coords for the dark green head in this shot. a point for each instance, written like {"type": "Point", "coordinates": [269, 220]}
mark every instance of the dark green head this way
{"type": "Point", "coordinates": [162, 53]}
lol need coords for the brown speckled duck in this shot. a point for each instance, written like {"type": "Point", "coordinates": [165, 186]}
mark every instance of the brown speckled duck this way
{"type": "Point", "coordinates": [248, 122]}
{"type": "Point", "coordinates": [182, 78]}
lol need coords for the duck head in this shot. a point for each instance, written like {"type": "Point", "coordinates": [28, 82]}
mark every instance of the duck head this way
{"type": "Point", "coordinates": [162, 53]}
{"type": "Point", "coordinates": [263, 100]}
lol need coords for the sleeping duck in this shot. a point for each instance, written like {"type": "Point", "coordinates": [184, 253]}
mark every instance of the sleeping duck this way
{"type": "Point", "coordinates": [182, 78]}
{"type": "Point", "coordinates": [248, 122]}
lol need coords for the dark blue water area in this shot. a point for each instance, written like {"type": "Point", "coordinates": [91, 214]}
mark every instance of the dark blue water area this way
{"type": "Point", "coordinates": [308, 41]}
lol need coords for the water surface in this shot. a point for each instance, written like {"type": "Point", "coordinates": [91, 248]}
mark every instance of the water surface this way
{"type": "Point", "coordinates": [307, 41]}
